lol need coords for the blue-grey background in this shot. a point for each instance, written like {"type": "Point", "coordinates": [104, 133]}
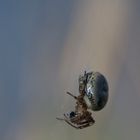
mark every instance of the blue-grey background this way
{"type": "Point", "coordinates": [45, 45]}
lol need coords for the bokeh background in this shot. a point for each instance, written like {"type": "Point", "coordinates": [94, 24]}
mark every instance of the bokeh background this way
{"type": "Point", "coordinates": [46, 44]}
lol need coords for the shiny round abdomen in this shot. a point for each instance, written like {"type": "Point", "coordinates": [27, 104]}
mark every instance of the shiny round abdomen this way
{"type": "Point", "coordinates": [96, 90]}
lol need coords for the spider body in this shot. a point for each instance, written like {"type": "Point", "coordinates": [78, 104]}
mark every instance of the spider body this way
{"type": "Point", "coordinates": [93, 89]}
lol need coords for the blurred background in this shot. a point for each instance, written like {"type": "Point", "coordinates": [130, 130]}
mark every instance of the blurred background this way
{"type": "Point", "coordinates": [45, 45]}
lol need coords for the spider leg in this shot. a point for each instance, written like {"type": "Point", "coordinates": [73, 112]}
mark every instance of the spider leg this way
{"type": "Point", "coordinates": [78, 126]}
{"type": "Point", "coordinates": [71, 95]}
{"type": "Point", "coordinates": [87, 122]}
{"type": "Point", "coordinates": [85, 125]}
{"type": "Point", "coordinates": [67, 121]}
{"type": "Point", "coordinates": [60, 119]}
{"type": "Point", "coordinates": [70, 123]}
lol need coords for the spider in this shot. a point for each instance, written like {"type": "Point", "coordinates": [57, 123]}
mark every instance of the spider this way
{"type": "Point", "coordinates": [93, 89]}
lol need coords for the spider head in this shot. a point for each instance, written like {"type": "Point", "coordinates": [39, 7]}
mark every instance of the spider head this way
{"type": "Point", "coordinates": [71, 114]}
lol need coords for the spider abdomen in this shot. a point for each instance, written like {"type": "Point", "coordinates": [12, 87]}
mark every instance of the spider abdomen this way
{"type": "Point", "coordinates": [96, 90]}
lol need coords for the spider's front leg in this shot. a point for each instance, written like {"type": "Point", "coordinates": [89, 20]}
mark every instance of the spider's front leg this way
{"type": "Point", "coordinates": [60, 119]}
